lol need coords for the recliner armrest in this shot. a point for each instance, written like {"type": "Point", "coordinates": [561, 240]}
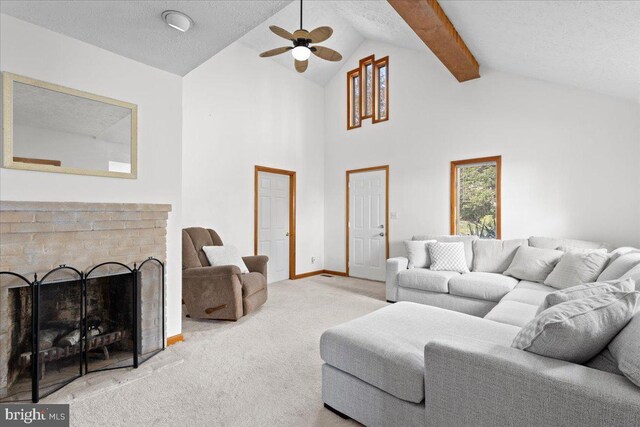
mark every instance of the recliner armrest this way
{"type": "Point", "coordinates": [257, 263]}
{"type": "Point", "coordinates": [483, 384]}
{"type": "Point", "coordinates": [394, 266]}
{"type": "Point", "coordinates": [223, 270]}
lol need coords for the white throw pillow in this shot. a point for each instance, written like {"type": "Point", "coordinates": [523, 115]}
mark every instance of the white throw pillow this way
{"type": "Point", "coordinates": [633, 274]}
{"type": "Point", "coordinates": [448, 257]}
{"type": "Point", "coordinates": [576, 331]}
{"type": "Point", "coordinates": [619, 266]}
{"type": "Point", "coordinates": [533, 264]}
{"type": "Point", "coordinates": [418, 253]}
{"type": "Point", "coordinates": [225, 255]}
{"type": "Point", "coordinates": [586, 290]}
{"type": "Point", "coordinates": [577, 267]}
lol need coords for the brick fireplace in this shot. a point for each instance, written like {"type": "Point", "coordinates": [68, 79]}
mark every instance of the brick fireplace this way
{"type": "Point", "coordinates": [36, 237]}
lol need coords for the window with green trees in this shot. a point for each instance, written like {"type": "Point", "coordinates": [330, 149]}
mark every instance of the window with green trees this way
{"type": "Point", "coordinates": [475, 197]}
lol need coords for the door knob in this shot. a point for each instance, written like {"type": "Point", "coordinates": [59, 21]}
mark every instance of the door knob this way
{"type": "Point", "coordinates": [287, 234]}
{"type": "Point", "coordinates": [382, 234]}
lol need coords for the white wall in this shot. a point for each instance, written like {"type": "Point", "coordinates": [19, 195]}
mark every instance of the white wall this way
{"type": "Point", "coordinates": [571, 158]}
{"type": "Point", "coordinates": [240, 111]}
{"type": "Point", "coordinates": [35, 52]}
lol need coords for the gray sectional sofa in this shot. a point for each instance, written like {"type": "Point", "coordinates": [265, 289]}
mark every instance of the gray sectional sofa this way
{"type": "Point", "coordinates": [441, 355]}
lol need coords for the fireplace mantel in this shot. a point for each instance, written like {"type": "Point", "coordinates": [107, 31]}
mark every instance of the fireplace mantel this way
{"type": "Point", "coordinates": [36, 237]}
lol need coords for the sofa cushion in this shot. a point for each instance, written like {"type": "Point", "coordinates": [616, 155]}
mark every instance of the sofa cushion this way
{"type": "Point", "coordinates": [586, 290]}
{"type": "Point", "coordinates": [619, 266]}
{"type": "Point", "coordinates": [485, 286]}
{"type": "Point", "coordinates": [533, 264]}
{"type": "Point", "coordinates": [386, 348]}
{"type": "Point", "coordinates": [625, 349]}
{"type": "Point", "coordinates": [576, 268]}
{"type": "Point", "coordinates": [418, 253]}
{"type": "Point", "coordinates": [426, 280]}
{"type": "Point", "coordinates": [447, 257]}
{"type": "Point", "coordinates": [529, 293]}
{"type": "Point", "coordinates": [467, 240]}
{"type": "Point", "coordinates": [577, 330]}
{"type": "Point", "coordinates": [554, 243]}
{"type": "Point", "coordinates": [252, 283]}
{"type": "Point", "coordinates": [513, 313]}
{"type": "Point", "coordinates": [495, 256]}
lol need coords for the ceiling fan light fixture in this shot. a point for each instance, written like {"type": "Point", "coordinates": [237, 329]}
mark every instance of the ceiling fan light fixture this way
{"type": "Point", "coordinates": [301, 53]}
{"type": "Point", "coordinates": [177, 20]}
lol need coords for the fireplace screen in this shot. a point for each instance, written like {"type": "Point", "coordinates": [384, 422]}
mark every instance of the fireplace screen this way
{"type": "Point", "coordinates": [69, 323]}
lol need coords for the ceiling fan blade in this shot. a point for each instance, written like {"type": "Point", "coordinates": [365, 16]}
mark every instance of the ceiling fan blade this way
{"type": "Point", "coordinates": [274, 52]}
{"type": "Point", "coordinates": [320, 34]}
{"type": "Point", "coordinates": [282, 33]}
{"type": "Point", "coordinates": [326, 53]}
{"type": "Point", "coordinates": [301, 66]}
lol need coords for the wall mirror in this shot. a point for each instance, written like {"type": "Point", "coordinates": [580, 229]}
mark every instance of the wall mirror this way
{"type": "Point", "coordinates": [53, 128]}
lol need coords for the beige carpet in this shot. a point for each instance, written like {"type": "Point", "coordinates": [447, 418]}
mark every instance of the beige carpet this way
{"type": "Point", "coordinates": [263, 370]}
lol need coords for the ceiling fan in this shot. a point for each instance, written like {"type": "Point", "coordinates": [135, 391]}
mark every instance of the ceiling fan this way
{"type": "Point", "coordinates": [301, 49]}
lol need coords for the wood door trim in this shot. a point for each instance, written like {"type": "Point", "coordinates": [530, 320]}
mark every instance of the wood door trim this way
{"type": "Point", "coordinates": [454, 195]}
{"type": "Point", "coordinates": [369, 169]}
{"type": "Point", "coordinates": [292, 213]}
{"type": "Point", "coordinates": [174, 339]}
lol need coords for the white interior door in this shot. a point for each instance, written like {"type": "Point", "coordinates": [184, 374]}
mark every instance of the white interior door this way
{"type": "Point", "coordinates": [367, 224]}
{"type": "Point", "coordinates": [273, 223]}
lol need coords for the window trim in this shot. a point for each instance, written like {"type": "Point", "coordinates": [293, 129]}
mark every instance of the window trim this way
{"type": "Point", "coordinates": [350, 101]}
{"type": "Point", "coordinates": [454, 191]}
{"type": "Point", "coordinates": [376, 99]}
{"type": "Point", "coordinates": [364, 62]}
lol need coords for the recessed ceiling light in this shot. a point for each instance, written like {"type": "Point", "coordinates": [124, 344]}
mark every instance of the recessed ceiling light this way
{"type": "Point", "coordinates": [177, 20]}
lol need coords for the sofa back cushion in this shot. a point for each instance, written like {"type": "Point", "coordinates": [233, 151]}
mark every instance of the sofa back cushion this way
{"type": "Point", "coordinates": [555, 243]}
{"type": "Point", "coordinates": [619, 266]}
{"type": "Point", "coordinates": [625, 349]}
{"type": "Point", "coordinates": [193, 239]}
{"type": "Point", "coordinates": [575, 268]}
{"type": "Point", "coordinates": [495, 256]}
{"type": "Point", "coordinates": [533, 264]}
{"type": "Point", "coordinates": [577, 330]}
{"type": "Point", "coordinates": [467, 240]}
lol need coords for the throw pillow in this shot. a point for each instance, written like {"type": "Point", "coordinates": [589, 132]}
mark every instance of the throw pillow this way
{"type": "Point", "coordinates": [417, 253]}
{"type": "Point", "coordinates": [620, 266]}
{"type": "Point", "coordinates": [605, 361]}
{"type": "Point", "coordinates": [225, 255]}
{"type": "Point", "coordinates": [448, 257]}
{"type": "Point", "coordinates": [586, 290]}
{"type": "Point", "coordinates": [533, 264]}
{"type": "Point", "coordinates": [495, 256]}
{"type": "Point", "coordinates": [576, 331]}
{"type": "Point", "coordinates": [577, 267]}
{"type": "Point", "coordinates": [633, 274]}
{"type": "Point", "coordinates": [625, 349]}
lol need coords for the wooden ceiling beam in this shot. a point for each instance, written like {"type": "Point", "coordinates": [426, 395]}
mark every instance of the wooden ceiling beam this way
{"type": "Point", "coordinates": [430, 23]}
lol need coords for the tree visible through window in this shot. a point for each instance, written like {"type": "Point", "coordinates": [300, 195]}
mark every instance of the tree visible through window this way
{"type": "Point", "coordinates": [475, 195]}
{"type": "Point", "coordinates": [368, 92]}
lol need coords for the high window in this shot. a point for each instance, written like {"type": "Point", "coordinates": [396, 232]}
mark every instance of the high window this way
{"type": "Point", "coordinates": [475, 197]}
{"type": "Point", "coordinates": [368, 92]}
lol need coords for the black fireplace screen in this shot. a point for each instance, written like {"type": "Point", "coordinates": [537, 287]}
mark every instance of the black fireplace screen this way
{"type": "Point", "coordinates": [70, 323]}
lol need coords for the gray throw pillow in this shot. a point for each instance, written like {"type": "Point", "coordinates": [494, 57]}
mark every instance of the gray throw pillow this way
{"type": "Point", "coordinates": [586, 290]}
{"type": "Point", "coordinates": [605, 362]}
{"type": "Point", "coordinates": [418, 253]}
{"type": "Point", "coordinates": [448, 257]}
{"type": "Point", "coordinates": [577, 267]}
{"type": "Point", "coordinates": [577, 330]}
{"type": "Point", "coordinates": [633, 274]}
{"type": "Point", "coordinates": [620, 266]}
{"type": "Point", "coordinates": [495, 256]}
{"type": "Point", "coordinates": [625, 349]}
{"type": "Point", "coordinates": [533, 264]}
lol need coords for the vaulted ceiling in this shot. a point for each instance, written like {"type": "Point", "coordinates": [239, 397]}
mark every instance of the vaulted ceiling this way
{"type": "Point", "coordinates": [594, 45]}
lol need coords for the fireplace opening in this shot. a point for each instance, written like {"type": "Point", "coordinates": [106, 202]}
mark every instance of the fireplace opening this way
{"type": "Point", "coordinates": [81, 324]}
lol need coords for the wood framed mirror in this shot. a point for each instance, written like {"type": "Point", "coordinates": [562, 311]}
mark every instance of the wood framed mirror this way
{"type": "Point", "coordinates": [52, 128]}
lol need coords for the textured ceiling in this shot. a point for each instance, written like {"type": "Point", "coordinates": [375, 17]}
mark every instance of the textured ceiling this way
{"type": "Point", "coordinates": [352, 23]}
{"type": "Point", "coordinates": [135, 28]}
{"type": "Point", "coordinates": [47, 109]}
{"type": "Point", "coordinates": [594, 45]}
